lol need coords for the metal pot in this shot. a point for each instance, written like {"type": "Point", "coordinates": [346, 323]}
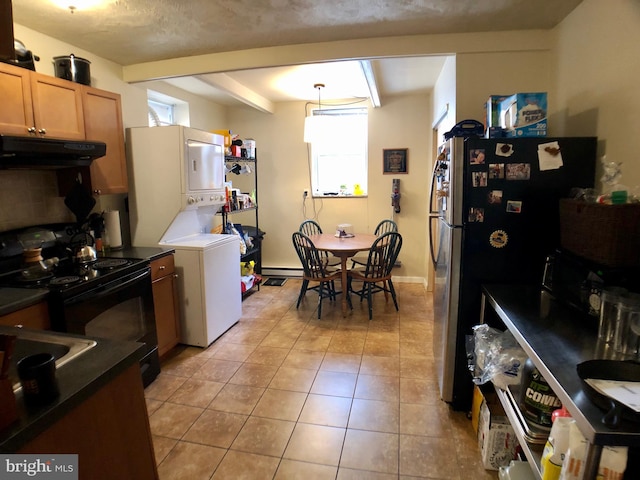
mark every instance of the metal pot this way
{"type": "Point", "coordinates": [24, 58]}
{"type": "Point", "coordinates": [80, 251]}
{"type": "Point", "coordinates": [73, 68]}
{"type": "Point", "coordinates": [86, 254]}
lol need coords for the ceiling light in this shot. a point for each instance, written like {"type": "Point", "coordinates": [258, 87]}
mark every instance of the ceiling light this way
{"type": "Point", "coordinates": [314, 124]}
{"type": "Point", "coordinates": [74, 5]}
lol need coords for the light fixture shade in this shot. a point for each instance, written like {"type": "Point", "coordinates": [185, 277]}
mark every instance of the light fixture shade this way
{"type": "Point", "coordinates": [315, 128]}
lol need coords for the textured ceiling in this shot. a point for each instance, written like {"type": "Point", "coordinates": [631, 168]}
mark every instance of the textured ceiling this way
{"type": "Point", "coordinates": [135, 31]}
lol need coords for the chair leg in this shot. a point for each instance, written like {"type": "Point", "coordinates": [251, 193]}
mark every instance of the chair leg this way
{"type": "Point", "coordinates": [369, 295]}
{"type": "Point", "coordinates": [320, 293]}
{"type": "Point", "coordinates": [386, 290]}
{"type": "Point", "coordinates": [303, 291]}
{"type": "Point", "coordinates": [393, 294]}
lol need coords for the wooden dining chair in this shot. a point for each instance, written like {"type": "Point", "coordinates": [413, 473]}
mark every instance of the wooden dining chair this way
{"type": "Point", "coordinates": [311, 227]}
{"type": "Point", "coordinates": [315, 271]}
{"type": "Point", "coordinates": [376, 274]}
{"type": "Point", "coordinates": [383, 227]}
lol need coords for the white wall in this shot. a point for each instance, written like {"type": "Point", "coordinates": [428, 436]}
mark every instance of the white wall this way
{"type": "Point", "coordinates": [482, 74]}
{"type": "Point", "coordinates": [283, 165]}
{"type": "Point", "coordinates": [597, 79]}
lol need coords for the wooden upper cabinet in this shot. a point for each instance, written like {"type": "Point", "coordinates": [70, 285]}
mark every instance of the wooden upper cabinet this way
{"type": "Point", "coordinates": [103, 123]}
{"type": "Point", "coordinates": [16, 114]}
{"type": "Point", "coordinates": [38, 104]}
{"type": "Point", "coordinates": [57, 107]}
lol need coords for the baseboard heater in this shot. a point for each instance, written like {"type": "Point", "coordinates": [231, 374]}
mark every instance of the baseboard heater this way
{"type": "Point", "coordinates": [281, 272]}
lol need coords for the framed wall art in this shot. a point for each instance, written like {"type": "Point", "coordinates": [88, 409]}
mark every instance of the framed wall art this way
{"type": "Point", "coordinates": [394, 160]}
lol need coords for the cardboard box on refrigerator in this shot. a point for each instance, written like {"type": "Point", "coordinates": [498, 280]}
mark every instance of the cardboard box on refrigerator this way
{"type": "Point", "coordinates": [492, 110]}
{"type": "Point", "coordinates": [524, 115]}
{"type": "Point", "coordinates": [496, 437]}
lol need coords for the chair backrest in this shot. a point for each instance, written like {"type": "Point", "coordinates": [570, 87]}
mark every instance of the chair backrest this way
{"type": "Point", "coordinates": [385, 226]}
{"type": "Point", "coordinates": [313, 261]}
{"type": "Point", "coordinates": [383, 255]}
{"type": "Point", "coordinates": [310, 227]}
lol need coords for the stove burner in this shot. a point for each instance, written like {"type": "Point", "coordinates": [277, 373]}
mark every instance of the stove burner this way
{"type": "Point", "coordinates": [64, 281]}
{"type": "Point", "coordinates": [34, 278]}
{"type": "Point", "coordinates": [110, 263]}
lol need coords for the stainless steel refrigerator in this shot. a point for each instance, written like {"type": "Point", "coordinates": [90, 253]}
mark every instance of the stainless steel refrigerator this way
{"type": "Point", "coordinates": [494, 219]}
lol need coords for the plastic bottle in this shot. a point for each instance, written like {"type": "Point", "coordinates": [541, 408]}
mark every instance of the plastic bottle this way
{"type": "Point", "coordinates": [537, 399]}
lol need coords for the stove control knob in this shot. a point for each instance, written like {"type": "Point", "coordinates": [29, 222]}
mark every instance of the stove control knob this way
{"type": "Point", "coordinates": [191, 200]}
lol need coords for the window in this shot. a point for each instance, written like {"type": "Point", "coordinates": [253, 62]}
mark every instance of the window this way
{"type": "Point", "coordinates": [159, 113]}
{"type": "Point", "coordinates": [339, 156]}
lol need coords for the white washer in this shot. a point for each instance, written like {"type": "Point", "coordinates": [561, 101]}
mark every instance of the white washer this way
{"type": "Point", "coordinates": [208, 267]}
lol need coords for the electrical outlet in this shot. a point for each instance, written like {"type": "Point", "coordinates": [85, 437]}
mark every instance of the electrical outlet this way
{"type": "Point", "coordinates": [305, 193]}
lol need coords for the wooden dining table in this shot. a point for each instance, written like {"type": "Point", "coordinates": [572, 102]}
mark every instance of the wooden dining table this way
{"type": "Point", "coordinates": [344, 248]}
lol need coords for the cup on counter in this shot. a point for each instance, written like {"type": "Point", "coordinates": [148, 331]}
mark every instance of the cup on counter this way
{"type": "Point", "coordinates": [37, 375]}
{"type": "Point", "coordinates": [627, 334]}
{"type": "Point", "coordinates": [609, 302]}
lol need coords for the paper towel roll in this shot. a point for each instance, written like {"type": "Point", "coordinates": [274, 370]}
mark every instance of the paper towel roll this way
{"type": "Point", "coordinates": [112, 226]}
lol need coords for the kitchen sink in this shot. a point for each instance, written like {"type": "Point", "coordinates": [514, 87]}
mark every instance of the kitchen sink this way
{"type": "Point", "coordinates": [64, 349]}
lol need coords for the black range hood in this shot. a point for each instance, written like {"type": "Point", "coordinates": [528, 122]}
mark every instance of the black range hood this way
{"type": "Point", "coordinates": [30, 151]}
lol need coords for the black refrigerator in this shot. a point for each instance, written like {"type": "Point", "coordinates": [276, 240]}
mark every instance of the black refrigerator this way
{"type": "Point", "coordinates": [494, 219]}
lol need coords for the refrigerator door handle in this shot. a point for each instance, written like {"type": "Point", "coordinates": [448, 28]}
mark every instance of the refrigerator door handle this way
{"type": "Point", "coordinates": [434, 255]}
{"type": "Point", "coordinates": [432, 188]}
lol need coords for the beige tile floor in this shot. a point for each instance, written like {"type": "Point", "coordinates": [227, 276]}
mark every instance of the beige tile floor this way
{"type": "Point", "coordinates": [283, 395]}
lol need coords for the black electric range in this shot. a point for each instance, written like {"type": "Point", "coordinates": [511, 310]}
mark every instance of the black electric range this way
{"type": "Point", "coordinates": [105, 298]}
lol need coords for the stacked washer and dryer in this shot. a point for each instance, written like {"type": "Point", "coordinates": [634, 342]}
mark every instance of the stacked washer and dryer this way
{"type": "Point", "coordinates": [176, 188]}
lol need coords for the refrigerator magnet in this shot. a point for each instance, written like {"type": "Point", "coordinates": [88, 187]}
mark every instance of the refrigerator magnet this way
{"type": "Point", "coordinates": [514, 206]}
{"type": "Point", "coordinates": [476, 215]}
{"type": "Point", "coordinates": [477, 157]}
{"type": "Point", "coordinates": [549, 156]}
{"type": "Point", "coordinates": [496, 171]}
{"type": "Point", "coordinates": [479, 179]}
{"type": "Point", "coordinates": [494, 197]}
{"type": "Point", "coordinates": [504, 149]}
{"type": "Point", "coordinates": [518, 171]}
{"type": "Point", "coordinates": [498, 239]}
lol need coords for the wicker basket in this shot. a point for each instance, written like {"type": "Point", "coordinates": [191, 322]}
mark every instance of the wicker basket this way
{"type": "Point", "coordinates": [605, 234]}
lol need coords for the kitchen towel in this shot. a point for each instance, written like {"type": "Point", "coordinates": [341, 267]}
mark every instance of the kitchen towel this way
{"type": "Point", "coordinates": [112, 226]}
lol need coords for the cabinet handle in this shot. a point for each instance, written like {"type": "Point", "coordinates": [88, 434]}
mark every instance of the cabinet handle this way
{"type": "Point", "coordinates": [31, 129]}
{"type": "Point", "coordinates": [175, 275]}
{"type": "Point", "coordinates": [97, 191]}
{"type": "Point", "coordinates": [42, 131]}
{"type": "Point", "coordinates": [162, 267]}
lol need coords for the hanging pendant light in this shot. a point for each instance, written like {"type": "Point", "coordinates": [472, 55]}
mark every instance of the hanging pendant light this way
{"type": "Point", "coordinates": [314, 124]}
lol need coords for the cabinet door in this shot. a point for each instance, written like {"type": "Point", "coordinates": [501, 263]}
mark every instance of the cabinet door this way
{"type": "Point", "coordinates": [36, 316]}
{"type": "Point", "coordinates": [16, 114]}
{"type": "Point", "coordinates": [57, 107]}
{"type": "Point", "coordinates": [165, 304]}
{"type": "Point", "coordinates": [103, 123]}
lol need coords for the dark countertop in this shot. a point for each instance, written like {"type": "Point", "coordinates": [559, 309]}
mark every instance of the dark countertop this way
{"type": "Point", "coordinates": [78, 380]}
{"type": "Point", "coordinates": [557, 338]}
{"type": "Point", "coordinates": [150, 253]}
{"type": "Point", "coordinates": [13, 299]}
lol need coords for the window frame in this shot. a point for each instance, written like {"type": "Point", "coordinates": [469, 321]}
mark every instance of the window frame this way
{"type": "Point", "coordinates": [362, 152]}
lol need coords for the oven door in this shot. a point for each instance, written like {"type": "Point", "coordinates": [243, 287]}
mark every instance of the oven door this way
{"type": "Point", "coordinates": [121, 309]}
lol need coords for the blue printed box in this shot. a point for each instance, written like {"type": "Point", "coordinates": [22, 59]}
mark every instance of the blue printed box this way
{"type": "Point", "coordinates": [492, 110]}
{"type": "Point", "coordinates": [524, 115]}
